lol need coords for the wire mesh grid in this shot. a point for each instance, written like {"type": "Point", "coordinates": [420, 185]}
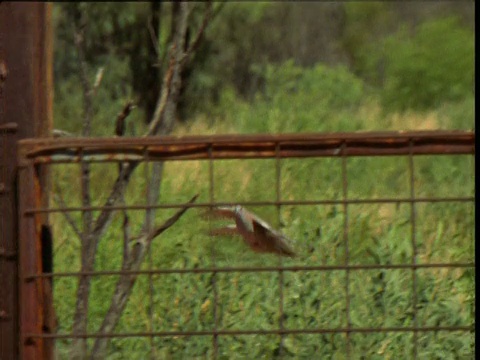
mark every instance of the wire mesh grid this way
{"type": "Point", "coordinates": [363, 285]}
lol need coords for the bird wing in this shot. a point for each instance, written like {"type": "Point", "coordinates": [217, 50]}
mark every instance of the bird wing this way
{"type": "Point", "coordinates": [257, 232]}
{"type": "Point", "coordinates": [226, 230]}
{"type": "Point", "coordinates": [272, 240]}
{"type": "Point", "coordinates": [220, 212]}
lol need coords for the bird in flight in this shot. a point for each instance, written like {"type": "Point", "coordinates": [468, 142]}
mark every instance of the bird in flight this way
{"type": "Point", "coordinates": [258, 234]}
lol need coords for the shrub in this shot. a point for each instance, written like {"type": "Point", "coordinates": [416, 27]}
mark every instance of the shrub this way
{"type": "Point", "coordinates": [332, 87]}
{"type": "Point", "coordinates": [433, 66]}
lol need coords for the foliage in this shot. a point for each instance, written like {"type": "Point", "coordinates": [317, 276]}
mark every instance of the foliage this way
{"type": "Point", "coordinates": [433, 66]}
{"type": "Point", "coordinates": [366, 24]}
{"type": "Point", "coordinates": [293, 98]}
{"type": "Point", "coordinates": [378, 234]}
{"type": "Point", "coordinates": [333, 88]}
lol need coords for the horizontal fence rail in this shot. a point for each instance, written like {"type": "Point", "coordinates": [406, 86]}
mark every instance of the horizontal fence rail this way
{"type": "Point", "coordinates": [34, 153]}
{"type": "Point", "coordinates": [245, 146]}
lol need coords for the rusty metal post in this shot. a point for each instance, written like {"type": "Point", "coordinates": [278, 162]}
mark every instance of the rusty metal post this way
{"type": "Point", "coordinates": [8, 243]}
{"type": "Point", "coordinates": [26, 81]}
{"type": "Point", "coordinates": [31, 292]}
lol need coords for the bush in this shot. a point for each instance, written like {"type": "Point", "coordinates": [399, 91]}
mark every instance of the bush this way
{"type": "Point", "coordinates": [433, 66]}
{"type": "Point", "coordinates": [332, 87]}
{"type": "Point", "coordinates": [296, 99]}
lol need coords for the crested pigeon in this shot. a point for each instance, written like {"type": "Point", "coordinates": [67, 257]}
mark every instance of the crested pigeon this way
{"type": "Point", "coordinates": [259, 235]}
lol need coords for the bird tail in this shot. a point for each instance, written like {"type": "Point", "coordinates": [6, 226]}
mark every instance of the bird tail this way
{"type": "Point", "coordinates": [283, 247]}
{"type": "Point", "coordinates": [286, 250]}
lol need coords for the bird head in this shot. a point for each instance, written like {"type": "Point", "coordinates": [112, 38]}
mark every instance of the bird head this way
{"type": "Point", "coordinates": [237, 209]}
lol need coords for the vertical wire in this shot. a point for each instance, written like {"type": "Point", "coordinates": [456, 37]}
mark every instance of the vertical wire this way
{"type": "Point", "coordinates": [414, 246]}
{"type": "Point", "coordinates": [214, 262]}
{"type": "Point", "coordinates": [346, 244]}
{"type": "Point", "coordinates": [148, 228]}
{"type": "Point", "coordinates": [280, 260]}
{"type": "Point", "coordinates": [84, 239]}
{"type": "Point", "coordinates": [472, 306]}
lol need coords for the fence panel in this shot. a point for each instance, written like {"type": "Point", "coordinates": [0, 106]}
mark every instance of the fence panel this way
{"type": "Point", "coordinates": [383, 227]}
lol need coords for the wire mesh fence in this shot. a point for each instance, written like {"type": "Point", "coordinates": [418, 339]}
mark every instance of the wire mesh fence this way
{"type": "Point", "coordinates": [382, 226]}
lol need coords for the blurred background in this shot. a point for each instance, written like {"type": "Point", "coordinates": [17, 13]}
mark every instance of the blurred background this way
{"type": "Point", "coordinates": [276, 66]}
{"type": "Point", "coordinates": [281, 67]}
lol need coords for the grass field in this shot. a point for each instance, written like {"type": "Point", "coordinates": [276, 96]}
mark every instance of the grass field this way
{"type": "Point", "coordinates": [377, 234]}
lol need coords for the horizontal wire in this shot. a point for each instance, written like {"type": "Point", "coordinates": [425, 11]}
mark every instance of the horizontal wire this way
{"type": "Point", "coordinates": [250, 203]}
{"type": "Point", "coordinates": [252, 332]}
{"type": "Point", "coordinates": [248, 269]}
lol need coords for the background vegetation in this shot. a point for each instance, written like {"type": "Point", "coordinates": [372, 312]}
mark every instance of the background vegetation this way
{"type": "Point", "coordinates": [284, 67]}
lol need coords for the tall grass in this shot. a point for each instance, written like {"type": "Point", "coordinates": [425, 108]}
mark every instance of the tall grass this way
{"type": "Point", "coordinates": [377, 234]}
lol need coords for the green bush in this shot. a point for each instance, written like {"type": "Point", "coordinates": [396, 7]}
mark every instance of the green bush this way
{"type": "Point", "coordinates": [332, 87]}
{"type": "Point", "coordinates": [433, 66]}
{"type": "Point", "coordinates": [296, 99]}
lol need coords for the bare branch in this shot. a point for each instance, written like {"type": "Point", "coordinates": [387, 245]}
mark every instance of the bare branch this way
{"type": "Point", "coordinates": [170, 221]}
{"type": "Point", "coordinates": [98, 80]}
{"type": "Point", "coordinates": [153, 37]}
{"type": "Point", "coordinates": [79, 346]}
{"type": "Point", "coordinates": [125, 283]}
{"type": "Point", "coordinates": [120, 131]}
{"type": "Point", "coordinates": [206, 19]}
{"type": "Point", "coordinates": [161, 124]}
{"type": "Point", "coordinates": [122, 180]}
{"type": "Point", "coordinates": [162, 101]}
{"type": "Point", "coordinates": [120, 123]}
{"type": "Point", "coordinates": [79, 39]}
{"type": "Point", "coordinates": [163, 117]}
{"type": "Point", "coordinates": [58, 197]}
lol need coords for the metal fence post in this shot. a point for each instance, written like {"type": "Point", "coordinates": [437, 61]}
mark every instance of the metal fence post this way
{"type": "Point", "coordinates": [30, 290]}
{"type": "Point", "coordinates": [26, 90]}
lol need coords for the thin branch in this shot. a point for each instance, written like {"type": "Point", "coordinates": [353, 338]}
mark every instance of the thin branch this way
{"type": "Point", "coordinates": [98, 80]}
{"type": "Point", "coordinates": [160, 124]}
{"type": "Point", "coordinates": [120, 123]}
{"type": "Point", "coordinates": [162, 102]}
{"type": "Point", "coordinates": [125, 283]}
{"type": "Point", "coordinates": [165, 123]}
{"type": "Point", "coordinates": [79, 346]}
{"type": "Point", "coordinates": [120, 131]}
{"type": "Point", "coordinates": [79, 39]}
{"type": "Point", "coordinates": [153, 37]}
{"type": "Point", "coordinates": [206, 19]}
{"type": "Point", "coordinates": [58, 197]}
{"type": "Point", "coordinates": [170, 221]}
{"type": "Point", "coordinates": [121, 181]}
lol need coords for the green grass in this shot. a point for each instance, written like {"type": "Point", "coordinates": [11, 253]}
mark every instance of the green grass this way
{"type": "Point", "coordinates": [377, 234]}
